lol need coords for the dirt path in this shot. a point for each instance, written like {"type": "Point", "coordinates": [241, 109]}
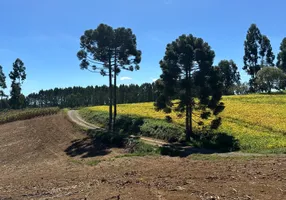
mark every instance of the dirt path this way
{"type": "Point", "coordinates": [76, 118]}
{"type": "Point", "coordinates": [47, 158]}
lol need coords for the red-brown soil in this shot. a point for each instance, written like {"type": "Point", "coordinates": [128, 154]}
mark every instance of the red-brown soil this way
{"type": "Point", "coordinates": [49, 158]}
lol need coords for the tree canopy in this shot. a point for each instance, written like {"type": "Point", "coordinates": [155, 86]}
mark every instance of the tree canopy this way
{"type": "Point", "coordinates": [108, 51]}
{"type": "Point", "coordinates": [269, 78]}
{"type": "Point", "coordinates": [91, 96]}
{"type": "Point", "coordinates": [257, 53]}
{"type": "Point", "coordinates": [187, 65]}
{"type": "Point", "coordinates": [229, 74]}
{"type": "Point", "coordinates": [17, 76]}
{"type": "Point", "coordinates": [281, 58]}
{"type": "Point", "coordinates": [2, 82]}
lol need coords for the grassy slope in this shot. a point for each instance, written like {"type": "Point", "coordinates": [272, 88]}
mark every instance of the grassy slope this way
{"type": "Point", "coordinates": [257, 121]}
{"type": "Point", "coordinates": [14, 115]}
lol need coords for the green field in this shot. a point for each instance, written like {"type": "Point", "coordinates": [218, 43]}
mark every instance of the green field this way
{"type": "Point", "coordinates": [14, 115]}
{"type": "Point", "coordinates": [258, 122]}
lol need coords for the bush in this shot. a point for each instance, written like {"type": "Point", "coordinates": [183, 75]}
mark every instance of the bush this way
{"type": "Point", "coordinates": [155, 128]}
{"type": "Point", "coordinates": [137, 147]}
{"type": "Point", "coordinates": [108, 138]}
{"type": "Point", "coordinates": [171, 151]}
{"type": "Point", "coordinates": [100, 118]}
{"type": "Point", "coordinates": [219, 141]}
{"type": "Point", "coordinates": [159, 129]}
{"type": "Point", "coordinates": [128, 124]}
{"type": "Point", "coordinates": [162, 130]}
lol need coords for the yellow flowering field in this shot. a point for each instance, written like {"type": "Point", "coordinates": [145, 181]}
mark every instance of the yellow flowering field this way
{"type": "Point", "coordinates": [257, 121]}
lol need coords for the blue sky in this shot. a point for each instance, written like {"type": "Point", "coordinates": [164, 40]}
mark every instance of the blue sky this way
{"type": "Point", "coordinates": [45, 34]}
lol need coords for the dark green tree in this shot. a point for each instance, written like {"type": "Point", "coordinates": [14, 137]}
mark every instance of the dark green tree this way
{"type": "Point", "coordinates": [2, 87]}
{"type": "Point", "coordinates": [108, 51]}
{"type": "Point", "coordinates": [187, 67]}
{"type": "Point", "coordinates": [257, 53]}
{"type": "Point", "coordinates": [96, 55]}
{"type": "Point", "coordinates": [17, 76]}
{"type": "Point", "coordinates": [2, 83]}
{"type": "Point", "coordinates": [125, 56]}
{"type": "Point", "coordinates": [229, 74]}
{"type": "Point", "coordinates": [266, 54]}
{"type": "Point", "coordinates": [281, 58]}
{"type": "Point", "coordinates": [251, 48]}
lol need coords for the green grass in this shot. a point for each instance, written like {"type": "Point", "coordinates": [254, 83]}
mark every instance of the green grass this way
{"type": "Point", "coordinates": [215, 157]}
{"type": "Point", "coordinates": [15, 115]}
{"type": "Point", "coordinates": [257, 122]}
{"type": "Point", "coordinates": [93, 162]}
{"type": "Point", "coordinates": [81, 162]}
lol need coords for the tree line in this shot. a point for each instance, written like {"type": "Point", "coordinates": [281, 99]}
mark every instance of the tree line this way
{"type": "Point", "coordinates": [91, 96]}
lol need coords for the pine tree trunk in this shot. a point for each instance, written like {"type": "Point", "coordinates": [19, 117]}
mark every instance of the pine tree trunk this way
{"type": "Point", "coordinates": [110, 96]}
{"type": "Point", "coordinates": [188, 110]}
{"type": "Point", "coordinates": [115, 101]}
{"type": "Point", "coordinates": [115, 89]}
{"type": "Point", "coordinates": [188, 133]}
{"type": "Point", "coordinates": [191, 119]}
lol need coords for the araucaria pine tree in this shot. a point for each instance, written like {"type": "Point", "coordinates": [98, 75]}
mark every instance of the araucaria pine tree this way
{"type": "Point", "coordinates": [108, 51]}
{"type": "Point", "coordinates": [17, 76]}
{"type": "Point", "coordinates": [187, 73]}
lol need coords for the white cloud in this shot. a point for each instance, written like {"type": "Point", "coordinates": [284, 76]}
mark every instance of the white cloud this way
{"type": "Point", "coordinates": [125, 78]}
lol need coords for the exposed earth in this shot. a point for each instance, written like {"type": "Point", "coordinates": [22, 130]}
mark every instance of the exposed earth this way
{"type": "Point", "coordinates": [49, 158]}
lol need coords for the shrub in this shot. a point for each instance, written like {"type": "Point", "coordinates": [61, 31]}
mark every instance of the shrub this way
{"type": "Point", "coordinates": [155, 128]}
{"type": "Point", "coordinates": [162, 130]}
{"type": "Point", "coordinates": [137, 147]}
{"type": "Point", "coordinates": [219, 141]}
{"type": "Point", "coordinates": [108, 138]}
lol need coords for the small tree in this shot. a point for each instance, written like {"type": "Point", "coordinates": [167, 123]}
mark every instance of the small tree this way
{"type": "Point", "coordinates": [269, 78]}
{"type": "Point", "coordinates": [17, 76]}
{"type": "Point", "coordinates": [230, 75]}
{"type": "Point", "coordinates": [281, 58]}
{"type": "Point", "coordinates": [186, 68]}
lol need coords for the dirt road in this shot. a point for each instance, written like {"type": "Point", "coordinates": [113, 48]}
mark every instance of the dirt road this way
{"type": "Point", "coordinates": [76, 118]}
{"type": "Point", "coordinates": [47, 158]}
